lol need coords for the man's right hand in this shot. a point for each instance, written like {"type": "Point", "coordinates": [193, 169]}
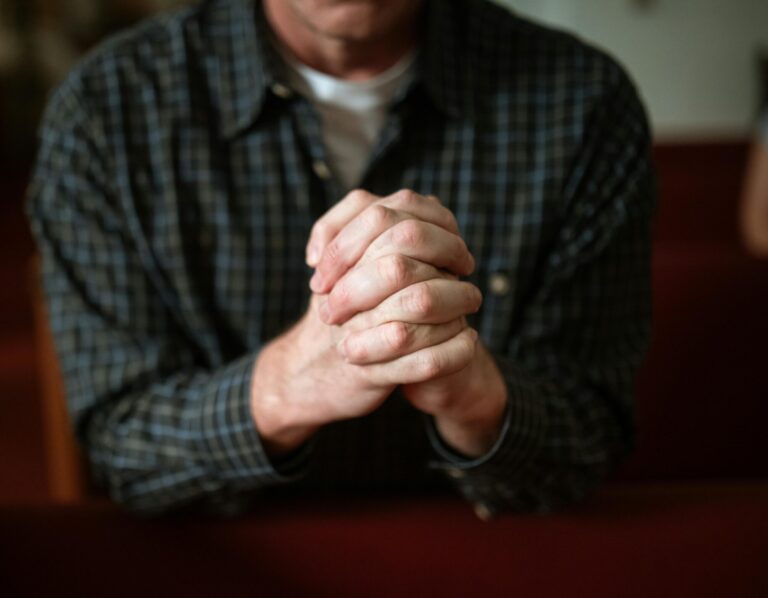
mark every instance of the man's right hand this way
{"type": "Point", "coordinates": [301, 382]}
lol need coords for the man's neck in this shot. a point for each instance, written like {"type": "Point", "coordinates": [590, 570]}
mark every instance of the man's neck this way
{"type": "Point", "coordinates": [344, 57]}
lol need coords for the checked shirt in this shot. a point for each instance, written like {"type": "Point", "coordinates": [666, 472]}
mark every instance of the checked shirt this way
{"type": "Point", "coordinates": [178, 178]}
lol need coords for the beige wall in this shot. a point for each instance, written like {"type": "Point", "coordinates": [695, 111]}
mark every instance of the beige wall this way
{"type": "Point", "coordinates": [694, 60]}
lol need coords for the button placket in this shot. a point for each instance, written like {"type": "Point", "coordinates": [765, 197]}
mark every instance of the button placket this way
{"type": "Point", "coordinates": [281, 90]}
{"type": "Point", "coordinates": [499, 284]}
{"type": "Point", "coordinates": [321, 169]}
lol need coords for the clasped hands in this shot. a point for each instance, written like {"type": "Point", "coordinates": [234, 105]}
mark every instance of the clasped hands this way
{"type": "Point", "coordinates": [387, 310]}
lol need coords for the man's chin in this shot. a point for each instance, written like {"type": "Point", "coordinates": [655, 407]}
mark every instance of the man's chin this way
{"type": "Point", "coordinates": [350, 24]}
{"type": "Point", "coordinates": [353, 20]}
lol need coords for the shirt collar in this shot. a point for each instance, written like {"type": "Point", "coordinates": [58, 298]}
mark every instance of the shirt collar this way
{"type": "Point", "coordinates": [245, 65]}
{"type": "Point", "coordinates": [442, 68]}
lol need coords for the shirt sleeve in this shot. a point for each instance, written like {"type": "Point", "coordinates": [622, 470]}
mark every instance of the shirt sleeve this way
{"type": "Point", "coordinates": [570, 369]}
{"type": "Point", "coordinates": [160, 429]}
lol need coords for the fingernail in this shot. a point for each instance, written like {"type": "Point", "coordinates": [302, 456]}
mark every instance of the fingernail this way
{"type": "Point", "coordinates": [315, 283]}
{"type": "Point", "coordinates": [313, 254]}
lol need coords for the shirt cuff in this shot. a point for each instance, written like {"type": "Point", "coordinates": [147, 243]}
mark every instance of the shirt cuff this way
{"type": "Point", "coordinates": [511, 459]}
{"type": "Point", "coordinates": [228, 440]}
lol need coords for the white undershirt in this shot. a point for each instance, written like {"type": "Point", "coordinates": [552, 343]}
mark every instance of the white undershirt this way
{"type": "Point", "coordinates": [352, 112]}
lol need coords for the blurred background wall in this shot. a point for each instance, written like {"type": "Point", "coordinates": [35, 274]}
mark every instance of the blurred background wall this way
{"type": "Point", "coordinates": [695, 61]}
{"type": "Point", "coordinates": [39, 42]}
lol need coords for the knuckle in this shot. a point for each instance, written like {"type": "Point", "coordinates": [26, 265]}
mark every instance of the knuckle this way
{"type": "Point", "coordinates": [355, 350]}
{"type": "Point", "coordinates": [359, 196]}
{"type": "Point", "coordinates": [408, 233]}
{"type": "Point", "coordinates": [450, 220]}
{"type": "Point", "coordinates": [395, 270]}
{"type": "Point", "coordinates": [376, 216]}
{"type": "Point", "coordinates": [430, 365]}
{"type": "Point", "coordinates": [420, 301]}
{"type": "Point", "coordinates": [398, 335]}
{"type": "Point", "coordinates": [406, 197]}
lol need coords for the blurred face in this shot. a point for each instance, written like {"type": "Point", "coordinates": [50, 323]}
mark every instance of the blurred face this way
{"type": "Point", "coordinates": [355, 20]}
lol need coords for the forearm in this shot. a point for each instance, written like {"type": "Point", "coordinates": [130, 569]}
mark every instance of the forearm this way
{"type": "Point", "coordinates": [510, 442]}
{"type": "Point", "coordinates": [468, 407]}
{"type": "Point", "coordinates": [183, 440]}
{"type": "Point", "coordinates": [301, 383]}
{"type": "Point", "coordinates": [557, 441]}
{"type": "Point", "coordinates": [276, 382]}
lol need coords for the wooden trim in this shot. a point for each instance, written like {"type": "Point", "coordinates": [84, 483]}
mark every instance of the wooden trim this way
{"type": "Point", "coordinates": [66, 465]}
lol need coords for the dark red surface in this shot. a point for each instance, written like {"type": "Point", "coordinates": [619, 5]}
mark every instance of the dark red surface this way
{"type": "Point", "coordinates": [702, 393]}
{"type": "Point", "coordinates": [679, 541]}
{"type": "Point", "coordinates": [700, 186]}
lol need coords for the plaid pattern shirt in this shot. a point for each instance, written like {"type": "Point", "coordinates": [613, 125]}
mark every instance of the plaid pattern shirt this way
{"type": "Point", "coordinates": [176, 184]}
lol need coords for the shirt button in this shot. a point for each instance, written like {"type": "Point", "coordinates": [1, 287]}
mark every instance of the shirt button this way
{"type": "Point", "coordinates": [455, 473]}
{"type": "Point", "coordinates": [499, 284]}
{"type": "Point", "coordinates": [281, 91]}
{"type": "Point", "coordinates": [321, 170]}
{"type": "Point", "coordinates": [483, 512]}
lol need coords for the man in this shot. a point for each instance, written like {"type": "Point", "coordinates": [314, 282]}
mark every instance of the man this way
{"type": "Point", "coordinates": [188, 170]}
